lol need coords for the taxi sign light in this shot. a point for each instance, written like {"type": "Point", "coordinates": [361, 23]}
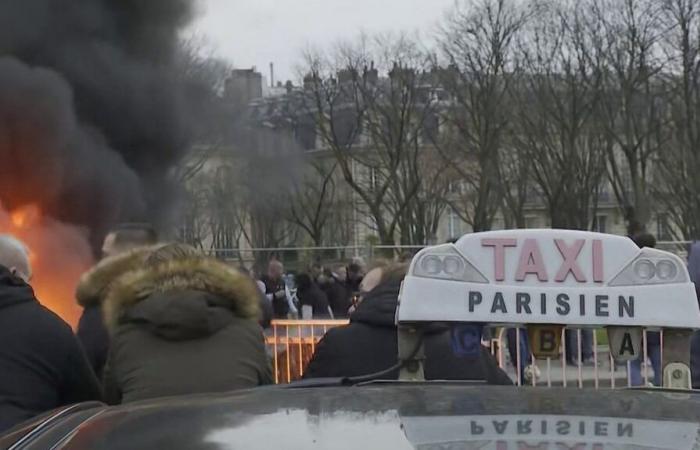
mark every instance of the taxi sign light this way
{"type": "Point", "coordinates": [446, 263]}
{"type": "Point", "coordinates": [652, 266]}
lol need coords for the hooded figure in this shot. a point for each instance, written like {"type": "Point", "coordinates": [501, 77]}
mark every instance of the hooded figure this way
{"type": "Point", "coordinates": [369, 345]}
{"type": "Point", "coordinates": [42, 365]}
{"type": "Point", "coordinates": [184, 323]}
{"type": "Point", "coordinates": [90, 294]}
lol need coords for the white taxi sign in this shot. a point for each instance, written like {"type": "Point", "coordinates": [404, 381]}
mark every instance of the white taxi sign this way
{"type": "Point", "coordinates": [549, 277]}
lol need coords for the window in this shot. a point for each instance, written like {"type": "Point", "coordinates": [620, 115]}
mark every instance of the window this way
{"type": "Point", "coordinates": [454, 225]}
{"type": "Point", "coordinates": [600, 223]}
{"type": "Point", "coordinates": [532, 222]}
{"type": "Point", "coordinates": [372, 178]}
{"type": "Point", "coordinates": [663, 229]}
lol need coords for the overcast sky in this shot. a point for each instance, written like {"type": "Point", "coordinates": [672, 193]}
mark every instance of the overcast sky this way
{"type": "Point", "coordinates": [256, 32]}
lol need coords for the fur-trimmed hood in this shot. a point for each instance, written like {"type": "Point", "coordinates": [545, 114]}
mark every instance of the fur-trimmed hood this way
{"type": "Point", "coordinates": [182, 294]}
{"type": "Point", "coordinates": [94, 284]}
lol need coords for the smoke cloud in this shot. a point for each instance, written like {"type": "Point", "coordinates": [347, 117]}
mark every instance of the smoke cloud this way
{"type": "Point", "coordinates": [93, 112]}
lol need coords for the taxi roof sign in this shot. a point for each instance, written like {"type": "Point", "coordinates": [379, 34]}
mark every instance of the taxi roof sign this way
{"type": "Point", "coordinates": [548, 277]}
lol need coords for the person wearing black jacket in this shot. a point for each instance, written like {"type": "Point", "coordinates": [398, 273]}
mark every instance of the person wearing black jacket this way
{"type": "Point", "coordinates": [42, 365]}
{"type": "Point", "coordinates": [311, 296]}
{"type": "Point", "coordinates": [276, 290]}
{"type": "Point", "coordinates": [339, 298]}
{"type": "Point", "coordinates": [369, 345]}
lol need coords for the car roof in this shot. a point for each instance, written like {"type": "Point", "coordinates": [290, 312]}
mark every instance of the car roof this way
{"type": "Point", "coordinates": [393, 415]}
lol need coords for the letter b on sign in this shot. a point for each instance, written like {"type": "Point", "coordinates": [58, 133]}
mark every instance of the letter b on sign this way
{"type": "Point", "coordinates": [625, 342]}
{"type": "Point", "coordinates": [545, 341]}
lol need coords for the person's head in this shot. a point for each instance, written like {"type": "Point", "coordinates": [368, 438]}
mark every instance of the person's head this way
{"type": "Point", "coordinates": [316, 270]}
{"type": "Point", "coordinates": [374, 276]}
{"type": "Point", "coordinates": [354, 271]}
{"type": "Point", "coordinates": [167, 252]}
{"type": "Point", "coordinates": [14, 255]}
{"type": "Point", "coordinates": [644, 240]}
{"type": "Point", "coordinates": [275, 269]}
{"type": "Point", "coordinates": [303, 281]}
{"type": "Point", "coordinates": [325, 277]}
{"type": "Point", "coordinates": [127, 237]}
{"type": "Point", "coordinates": [341, 273]}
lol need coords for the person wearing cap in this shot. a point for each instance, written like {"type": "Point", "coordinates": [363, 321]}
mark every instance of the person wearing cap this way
{"type": "Point", "coordinates": [42, 365]}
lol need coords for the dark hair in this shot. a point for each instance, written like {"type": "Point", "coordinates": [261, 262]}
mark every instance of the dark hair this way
{"type": "Point", "coordinates": [644, 240]}
{"type": "Point", "coordinates": [354, 268]}
{"type": "Point", "coordinates": [303, 281]}
{"type": "Point", "coordinates": [137, 234]}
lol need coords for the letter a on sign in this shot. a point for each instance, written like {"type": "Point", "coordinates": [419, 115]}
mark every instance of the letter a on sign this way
{"type": "Point", "coordinates": [545, 341]}
{"type": "Point", "coordinates": [625, 342]}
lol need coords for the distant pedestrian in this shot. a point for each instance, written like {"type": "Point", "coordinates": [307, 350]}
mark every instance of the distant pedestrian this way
{"type": "Point", "coordinates": [184, 323]}
{"type": "Point", "coordinates": [653, 340]}
{"type": "Point", "coordinates": [694, 271]}
{"type": "Point", "coordinates": [339, 298]}
{"type": "Point", "coordinates": [277, 292]}
{"type": "Point", "coordinates": [313, 302]}
{"type": "Point", "coordinates": [42, 365]}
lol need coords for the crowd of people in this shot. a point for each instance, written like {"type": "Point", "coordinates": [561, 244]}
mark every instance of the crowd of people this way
{"type": "Point", "coordinates": [164, 319]}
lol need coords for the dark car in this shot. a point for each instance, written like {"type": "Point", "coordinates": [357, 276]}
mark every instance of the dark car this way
{"type": "Point", "coordinates": [380, 415]}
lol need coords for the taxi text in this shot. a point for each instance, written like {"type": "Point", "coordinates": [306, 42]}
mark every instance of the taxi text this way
{"type": "Point", "coordinates": [562, 304]}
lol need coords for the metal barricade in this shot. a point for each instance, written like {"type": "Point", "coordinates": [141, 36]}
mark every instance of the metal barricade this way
{"type": "Point", "coordinates": [291, 344]}
{"type": "Point", "coordinates": [599, 371]}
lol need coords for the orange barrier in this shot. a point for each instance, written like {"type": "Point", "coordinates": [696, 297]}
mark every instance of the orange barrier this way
{"type": "Point", "coordinates": [292, 343]}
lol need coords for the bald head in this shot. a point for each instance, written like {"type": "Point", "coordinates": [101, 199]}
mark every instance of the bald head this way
{"type": "Point", "coordinates": [275, 269]}
{"type": "Point", "coordinates": [14, 255]}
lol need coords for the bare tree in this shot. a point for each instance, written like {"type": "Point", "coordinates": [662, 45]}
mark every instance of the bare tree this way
{"type": "Point", "coordinates": [478, 41]}
{"type": "Point", "coordinates": [372, 124]}
{"type": "Point", "coordinates": [558, 101]}
{"type": "Point", "coordinates": [312, 199]}
{"type": "Point", "coordinates": [679, 163]}
{"type": "Point", "coordinates": [632, 105]}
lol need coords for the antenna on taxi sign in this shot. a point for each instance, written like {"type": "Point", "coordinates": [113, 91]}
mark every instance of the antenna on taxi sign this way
{"type": "Point", "coordinates": [548, 280]}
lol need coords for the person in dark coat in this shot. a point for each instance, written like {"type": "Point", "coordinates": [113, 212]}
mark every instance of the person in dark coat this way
{"type": "Point", "coordinates": [184, 323]}
{"type": "Point", "coordinates": [120, 253]}
{"type": "Point", "coordinates": [276, 290]}
{"type": "Point", "coordinates": [369, 345]}
{"type": "Point", "coordinates": [91, 292]}
{"type": "Point", "coordinates": [354, 277]}
{"type": "Point", "coordinates": [339, 298]}
{"type": "Point", "coordinates": [312, 298]}
{"type": "Point", "coordinates": [694, 272]}
{"type": "Point", "coordinates": [42, 365]}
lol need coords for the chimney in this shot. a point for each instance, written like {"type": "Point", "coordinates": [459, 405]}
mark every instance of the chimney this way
{"type": "Point", "coordinates": [272, 74]}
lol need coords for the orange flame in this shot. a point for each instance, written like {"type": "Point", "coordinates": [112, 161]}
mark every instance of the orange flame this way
{"type": "Point", "coordinates": [59, 254]}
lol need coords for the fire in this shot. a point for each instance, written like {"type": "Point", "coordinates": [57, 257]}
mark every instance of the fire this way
{"type": "Point", "coordinates": [59, 253]}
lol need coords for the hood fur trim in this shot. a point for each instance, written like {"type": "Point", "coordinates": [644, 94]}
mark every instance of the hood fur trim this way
{"type": "Point", "coordinates": [198, 273]}
{"type": "Point", "coordinates": [94, 284]}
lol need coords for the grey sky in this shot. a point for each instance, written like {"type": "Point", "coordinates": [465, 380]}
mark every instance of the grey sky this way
{"type": "Point", "coordinates": [255, 32]}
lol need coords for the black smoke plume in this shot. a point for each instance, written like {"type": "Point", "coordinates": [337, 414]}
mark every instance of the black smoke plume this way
{"type": "Point", "coordinates": [93, 111]}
